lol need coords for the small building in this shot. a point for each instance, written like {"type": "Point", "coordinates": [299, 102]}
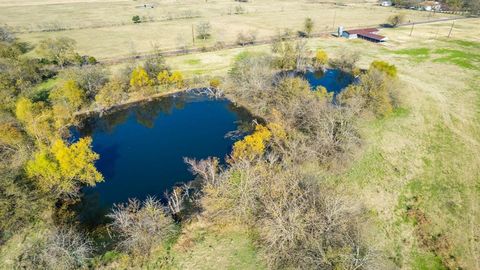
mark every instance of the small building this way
{"type": "Point", "coordinates": [370, 34]}
{"type": "Point", "coordinates": [429, 6]}
{"type": "Point", "coordinates": [386, 3]}
{"type": "Point", "coordinates": [146, 6]}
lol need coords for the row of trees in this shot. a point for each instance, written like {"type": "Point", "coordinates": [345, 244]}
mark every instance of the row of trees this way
{"type": "Point", "coordinates": [453, 5]}
{"type": "Point", "coordinates": [37, 165]}
{"type": "Point", "coordinates": [41, 168]}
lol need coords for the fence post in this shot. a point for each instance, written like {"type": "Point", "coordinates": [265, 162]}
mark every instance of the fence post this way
{"type": "Point", "coordinates": [451, 28]}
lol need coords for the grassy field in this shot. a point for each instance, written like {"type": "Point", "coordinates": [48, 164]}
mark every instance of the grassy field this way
{"type": "Point", "coordinates": [105, 29]}
{"type": "Point", "coordinates": [418, 171]}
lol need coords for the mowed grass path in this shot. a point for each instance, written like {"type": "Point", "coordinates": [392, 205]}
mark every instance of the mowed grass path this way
{"type": "Point", "coordinates": [105, 30]}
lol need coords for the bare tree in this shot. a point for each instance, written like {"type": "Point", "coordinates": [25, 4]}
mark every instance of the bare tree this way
{"type": "Point", "coordinates": [346, 61]}
{"type": "Point", "coordinates": [206, 169]}
{"type": "Point", "coordinates": [251, 80]}
{"type": "Point", "coordinates": [177, 199]}
{"type": "Point", "coordinates": [141, 225]}
{"type": "Point", "coordinates": [203, 30]}
{"type": "Point", "coordinates": [63, 248]}
{"type": "Point", "coordinates": [6, 35]}
{"type": "Point", "coordinates": [303, 58]}
{"type": "Point", "coordinates": [90, 78]}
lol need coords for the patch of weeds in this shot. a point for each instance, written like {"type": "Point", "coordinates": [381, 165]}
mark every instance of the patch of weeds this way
{"type": "Point", "coordinates": [198, 72]}
{"type": "Point", "coordinates": [464, 59]}
{"type": "Point", "coordinates": [371, 167]}
{"type": "Point", "coordinates": [105, 259]}
{"type": "Point", "coordinates": [42, 90]}
{"type": "Point", "coordinates": [417, 54]}
{"type": "Point", "coordinates": [396, 113]}
{"type": "Point", "coordinates": [193, 61]}
{"type": "Point", "coordinates": [400, 112]}
{"type": "Point", "coordinates": [465, 43]}
{"type": "Point", "coordinates": [427, 261]}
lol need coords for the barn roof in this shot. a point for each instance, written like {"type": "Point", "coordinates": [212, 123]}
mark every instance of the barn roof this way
{"type": "Point", "coordinates": [360, 31]}
{"type": "Point", "coordinates": [372, 36]}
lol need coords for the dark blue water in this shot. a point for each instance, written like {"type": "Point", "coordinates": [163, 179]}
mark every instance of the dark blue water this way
{"type": "Point", "coordinates": [142, 148]}
{"type": "Point", "coordinates": [333, 80]}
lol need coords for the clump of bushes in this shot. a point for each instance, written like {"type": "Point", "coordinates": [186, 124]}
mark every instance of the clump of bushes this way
{"type": "Point", "coordinates": [136, 19]}
{"type": "Point", "coordinates": [375, 90]}
{"type": "Point", "coordinates": [61, 248]}
{"type": "Point", "coordinates": [141, 225]}
{"type": "Point", "coordinates": [396, 19]}
{"type": "Point", "coordinates": [346, 61]}
{"type": "Point", "coordinates": [246, 38]}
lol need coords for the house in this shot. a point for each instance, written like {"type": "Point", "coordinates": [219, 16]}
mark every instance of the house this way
{"type": "Point", "coordinates": [429, 6]}
{"type": "Point", "coordinates": [370, 34]}
{"type": "Point", "coordinates": [386, 3]}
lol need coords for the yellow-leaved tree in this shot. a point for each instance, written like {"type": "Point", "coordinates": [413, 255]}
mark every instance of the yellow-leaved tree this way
{"type": "Point", "coordinates": [177, 79]}
{"type": "Point", "coordinates": [382, 66]}
{"type": "Point", "coordinates": [323, 93]}
{"type": "Point", "coordinates": [36, 117]}
{"type": "Point", "coordinates": [62, 168]}
{"type": "Point", "coordinates": [111, 93]}
{"type": "Point", "coordinates": [321, 59]}
{"type": "Point", "coordinates": [163, 77]}
{"type": "Point", "coordinates": [139, 78]}
{"type": "Point", "coordinates": [252, 145]}
{"type": "Point", "coordinates": [68, 95]}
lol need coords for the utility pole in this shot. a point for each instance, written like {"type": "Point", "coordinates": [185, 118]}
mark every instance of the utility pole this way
{"type": "Point", "coordinates": [411, 31]}
{"type": "Point", "coordinates": [451, 28]}
{"type": "Point", "coordinates": [334, 18]}
{"type": "Point", "coordinates": [193, 36]}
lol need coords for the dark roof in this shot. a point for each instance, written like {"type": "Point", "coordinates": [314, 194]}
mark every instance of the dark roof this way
{"type": "Point", "coordinates": [372, 36]}
{"type": "Point", "coordinates": [360, 31]}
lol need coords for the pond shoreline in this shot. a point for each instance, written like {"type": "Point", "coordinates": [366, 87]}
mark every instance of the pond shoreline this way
{"type": "Point", "coordinates": [128, 103]}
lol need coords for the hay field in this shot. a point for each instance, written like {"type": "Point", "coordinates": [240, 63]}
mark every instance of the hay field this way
{"type": "Point", "coordinates": [105, 30]}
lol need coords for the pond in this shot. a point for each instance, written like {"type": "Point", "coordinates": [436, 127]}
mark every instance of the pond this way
{"type": "Point", "coordinates": [333, 80]}
{"type": "Point", "coordinates": [142, 148]}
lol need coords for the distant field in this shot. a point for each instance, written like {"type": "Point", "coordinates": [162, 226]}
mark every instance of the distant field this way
{"type": "Point", "coordinates": [417, 47]}
{"type": "Point", "coordinates": [104, 28]}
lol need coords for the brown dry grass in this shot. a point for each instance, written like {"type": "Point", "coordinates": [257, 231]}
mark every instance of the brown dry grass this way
{"type": "Point", "coordinates": [104, 28]}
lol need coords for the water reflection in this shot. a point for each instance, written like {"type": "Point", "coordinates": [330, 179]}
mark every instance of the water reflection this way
{"type": "Point", "coordinates": [333, 80]}
{"type": "Point", "coordinates": [142, 148]}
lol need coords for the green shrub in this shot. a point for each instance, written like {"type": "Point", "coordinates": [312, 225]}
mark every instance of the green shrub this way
{"type": "Point", "coordinates": [136, 19]}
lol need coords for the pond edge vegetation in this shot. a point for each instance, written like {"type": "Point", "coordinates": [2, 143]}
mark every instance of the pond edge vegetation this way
{"type": "Point", "coordinates": [298, 219]}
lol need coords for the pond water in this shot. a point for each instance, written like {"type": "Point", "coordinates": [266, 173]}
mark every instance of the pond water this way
{"type": "Point", "coordinates": [333, 80]}
{"type": "Point", "coordinates": [142, 148]}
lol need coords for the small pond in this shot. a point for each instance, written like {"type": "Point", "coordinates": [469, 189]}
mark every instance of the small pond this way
{"type": "Point", "coordinates": [142, 147]}
{"type": "Point", "coordinates": [333, 80]}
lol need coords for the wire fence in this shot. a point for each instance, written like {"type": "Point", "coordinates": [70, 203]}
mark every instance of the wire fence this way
{"type": "Point", "coordinates": [269, 40]}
